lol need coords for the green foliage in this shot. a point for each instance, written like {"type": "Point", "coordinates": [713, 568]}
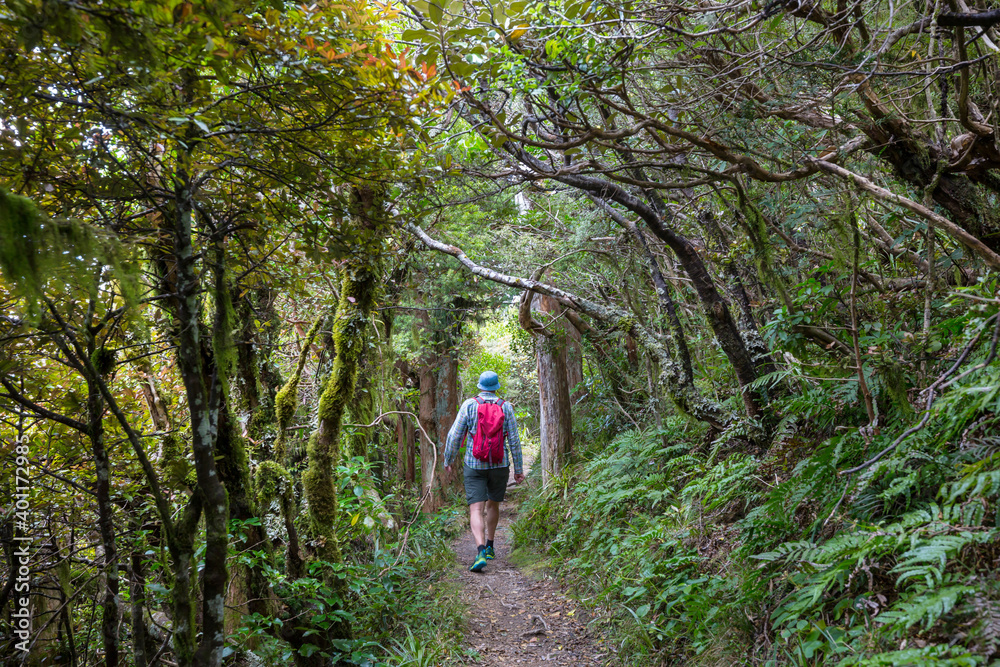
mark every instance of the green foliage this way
{"type": "Point", "coordinates": [414, 652]}
{"type": "Point", "coordinates": [628, 533]}
{"type": "Point", "coordinates": [886, 567]}
{"type": "Point", "coordinates": [42, 256]}
{"type": "Point", "coordinates": [480, 362]}
{"type": "Point", "coordinates": [390, 581]}
{"type": "Point", "coordinates": [929, 656]}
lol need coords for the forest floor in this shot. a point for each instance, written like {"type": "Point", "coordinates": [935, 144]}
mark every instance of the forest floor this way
{"type": "Point", "coordinates": [518, 616]}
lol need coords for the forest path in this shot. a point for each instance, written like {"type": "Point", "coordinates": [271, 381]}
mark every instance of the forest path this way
{"type": "Point", "coordinates": [516, 619]}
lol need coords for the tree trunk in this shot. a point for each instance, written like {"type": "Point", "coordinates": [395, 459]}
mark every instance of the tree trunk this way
{"type": "Point", "coordinates": [574, 364]}
{"type": "Point", "coordinates": [446, 403]}
{"type": "Point", "coordinates": [663, 291]}
{"type": "Point", "coordinates": [257, 377]}
{"type": "Point", "coordinates": [405, 445]}
{"type": "Point", "coordinates": [555, 417]}
{"type": "Point", "coordinates": [358, 290]}
{"type": "Point", "coordinates": [44, 601]}
{"type": "Point", "coordinates": [137, 596]}
{"type": "Point", "coordinates": [249, 590]}
{"type": "Point", "coordinates": [751, 334]}
{"type": "Point", "coordinates": [405, 432]}
{"type": "Point", "coordinates": [428, 450]}
{"type": "Point", "coordinates": [151, 392]}
{"type": "Point", "coordinates": [214, 501]}
{"type": "Point", "coordinates": [110, 612]}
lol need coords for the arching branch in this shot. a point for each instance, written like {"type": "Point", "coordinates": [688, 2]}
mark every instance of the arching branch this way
{"type": "Point", "coordinates": [939, 221]}
{"type": "Point", "coordinates": [685, 397]}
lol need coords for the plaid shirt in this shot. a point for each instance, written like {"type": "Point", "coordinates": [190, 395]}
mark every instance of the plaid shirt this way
{"type": "Point", "coordinates": [465, 427]}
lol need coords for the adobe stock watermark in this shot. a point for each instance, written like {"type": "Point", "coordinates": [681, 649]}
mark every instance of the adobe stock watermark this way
{"type": "Point", "coordinates": [21, 615]}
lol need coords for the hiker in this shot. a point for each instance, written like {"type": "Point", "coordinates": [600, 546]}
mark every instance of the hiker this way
{"type": "Point", "coordinates": [482, 425]}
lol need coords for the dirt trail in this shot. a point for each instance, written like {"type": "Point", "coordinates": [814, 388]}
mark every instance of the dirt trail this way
{"type": "Point", "coordinates": [515, 619]}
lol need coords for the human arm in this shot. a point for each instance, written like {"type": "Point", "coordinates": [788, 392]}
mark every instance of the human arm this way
{"type": "Point", "coordinates": [456, 436]}
{"type": "Point", "coordinates": [513, 441]}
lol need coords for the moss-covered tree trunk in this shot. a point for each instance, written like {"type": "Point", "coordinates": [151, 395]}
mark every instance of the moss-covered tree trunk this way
{"type": "Point", "coordinates": [363, 410]}
{"type": "Point", "coordinates": [202, 390]}
{"type": "Point", "coordinates": [357, 299]}
{"type": "Point", "coordinates": [257, 377]}
{"type": "Point", "coordinates": [359, 278]}
{"type": "Point", "coordinates": [252, 391]}
{"type": "Point", "coordinates": [249, 590]}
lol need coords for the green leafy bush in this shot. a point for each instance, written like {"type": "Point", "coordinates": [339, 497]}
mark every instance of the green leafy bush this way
{"type": "Point", "coordinates": [779, 559]}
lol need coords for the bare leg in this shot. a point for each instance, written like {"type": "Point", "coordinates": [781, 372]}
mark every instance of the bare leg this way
{"type": "Point", "coordinates": [476, 522]}
{"type": "Point", "coordinates": [492, 518]}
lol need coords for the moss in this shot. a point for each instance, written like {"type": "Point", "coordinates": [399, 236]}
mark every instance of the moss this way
{"type": "Point", "coordinates": [234, 464]}
{"type": "Point", "coordinates": [358, 290]}
{"type": "Point", "coordinates": [103, 360]}
{"type": "Point", "coordinates": [626, 324]}
{"type": "Point", "coordinates": [286, 401]}
{"type": "Point", "coordinates": [362, 411]}
{"type": "Point", "coordinates": [222, 334]}
{"type": "Point", "coordinates": [273, 482]}
{"type": "Point", "coordinates": [257, 376]}
{"type": "Point", "coordinates": [174, 463]}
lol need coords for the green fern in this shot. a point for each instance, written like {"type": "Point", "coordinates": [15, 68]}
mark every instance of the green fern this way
{"type": "Point", "coordinates": [975, 484]}
{"type": "Point", "coordinates": [925, 609]}
{"type": "Point", "coordinates": [723, 482]}
{"type": "Point", "coordinates": [930, 656]}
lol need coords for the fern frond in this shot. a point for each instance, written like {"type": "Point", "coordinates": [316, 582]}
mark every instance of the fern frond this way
{"type": "Point", "coordinates": [925, 609]}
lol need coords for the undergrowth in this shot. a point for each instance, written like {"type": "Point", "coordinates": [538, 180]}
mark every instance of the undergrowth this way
{"type": "Point", "coordinates": [404, 610]}
{"type": "Point", "coordinates": [696, 558]}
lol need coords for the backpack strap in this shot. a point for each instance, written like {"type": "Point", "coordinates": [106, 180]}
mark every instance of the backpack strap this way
{"type": "Point", "coordinates": [481, 401]}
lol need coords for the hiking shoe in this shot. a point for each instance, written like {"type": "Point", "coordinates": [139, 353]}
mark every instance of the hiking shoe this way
{"type": "Point", "coordinates": [489, 553]}
{"type": "Point", "coordinates": [480, 563]}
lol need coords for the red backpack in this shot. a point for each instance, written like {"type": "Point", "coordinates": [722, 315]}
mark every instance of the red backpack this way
{"type": "Point", "coordinates": [487, 443]}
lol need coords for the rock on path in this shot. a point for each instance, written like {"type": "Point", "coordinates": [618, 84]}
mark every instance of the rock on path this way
{"type": "Point", "coordinates": [516, 620]}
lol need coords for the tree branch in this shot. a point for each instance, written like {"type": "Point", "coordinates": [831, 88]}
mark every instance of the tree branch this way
{"type": "Point", "coordinates": [687, 399]}
{"type": "Point", "coordinates": [961, 19]}
{"type": "Point", "coordinates": [939, 221]}
{"type": "Point", "coordinates": [16, 396]}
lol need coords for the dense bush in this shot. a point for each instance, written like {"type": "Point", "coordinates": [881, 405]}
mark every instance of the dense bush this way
{"type": "Point", "coordinates": [394, 574]}
{"type": "Point", "coordinates": [708, 558]}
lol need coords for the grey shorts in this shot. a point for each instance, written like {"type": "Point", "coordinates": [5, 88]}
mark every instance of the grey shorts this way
{"type": "Point", "coordinates": [483, 485]}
